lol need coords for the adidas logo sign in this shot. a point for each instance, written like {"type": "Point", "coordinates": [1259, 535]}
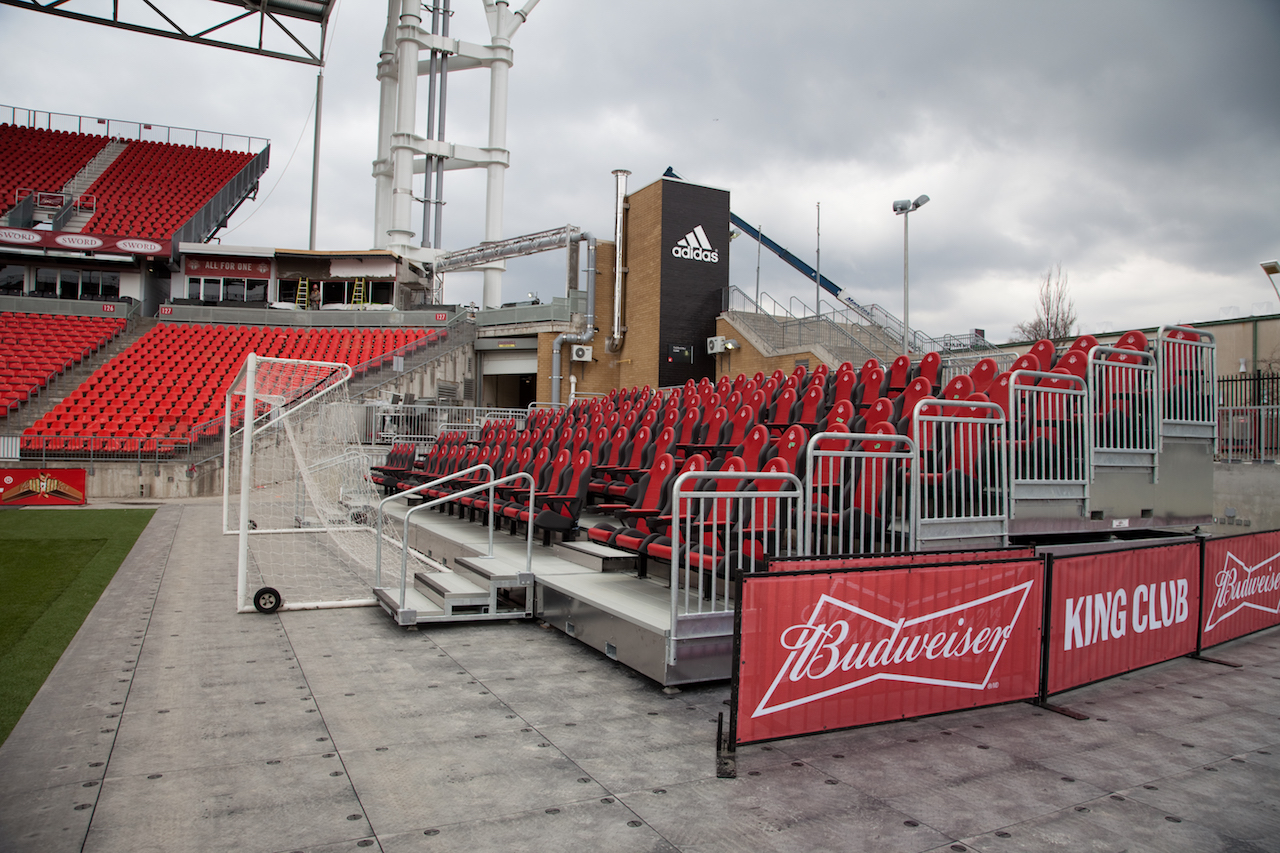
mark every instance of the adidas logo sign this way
{"type": "Point", "coordinates": [696, 247]}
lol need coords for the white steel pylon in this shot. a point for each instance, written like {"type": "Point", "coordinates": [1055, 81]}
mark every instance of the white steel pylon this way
{"type": "Point", "coordinates": [402, 152]}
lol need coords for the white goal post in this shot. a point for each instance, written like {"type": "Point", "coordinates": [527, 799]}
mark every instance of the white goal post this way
{"type": "Point", "coordinates": [296, 487]}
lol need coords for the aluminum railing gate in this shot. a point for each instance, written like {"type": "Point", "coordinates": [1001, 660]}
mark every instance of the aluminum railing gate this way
{"type": "Point", "coordinates": [960, 483]}
{"type": "Point", "coordinates": [1047, 439]}
{"type": "Point", "coordinates": [859, 496]}
{"type": "Point", "coordinates": [1188, 382]}
{"type": "Point", "coordinates": [724, 523]}
{"type": "Point", "coordinates": [1125, 410]}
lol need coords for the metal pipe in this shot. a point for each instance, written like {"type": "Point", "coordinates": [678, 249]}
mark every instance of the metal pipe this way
{"type": "Point", "coordinates": [444, 91]}
{"type": "Point", "coordinates": [614, 342]}
{"type": "Point", "coordinates": [388, 75]}
{"type": "Point", "coordinates": [401, 230]}
{"type": "Point", "coordinates": [576, 337]}
{"type": "Point", "coordinates": [433, 68]}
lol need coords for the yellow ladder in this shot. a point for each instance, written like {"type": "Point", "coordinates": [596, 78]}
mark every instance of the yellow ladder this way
{"type": "Point", "coordinates": [300, 297]}
{"type": "Point", "coordinates": [358, 296]}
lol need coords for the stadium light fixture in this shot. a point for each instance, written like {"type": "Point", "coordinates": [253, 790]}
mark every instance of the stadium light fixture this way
{"type": "Point", "coordinates": [904, 207]}
{"type": "Point", "coordinates": [1272, 269]}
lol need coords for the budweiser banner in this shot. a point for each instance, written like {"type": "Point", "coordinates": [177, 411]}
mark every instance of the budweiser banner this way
{"type": "Point", "coordinates": [41, 486]}
{"type": "Point", "coordinates": [839, 649]}
{"type": "Point", "coordinates": [1115, 612]}
{"type": "Point", "coordinates": [1241, 586]}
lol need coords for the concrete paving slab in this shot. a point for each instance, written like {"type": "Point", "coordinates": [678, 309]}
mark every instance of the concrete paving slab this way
{"type": "Point", "coordinates": [47, 817]}
{"type": "Point", "coordinates": [362, 721]}
{"type": "Point", "coordinates": [270, 804]}
{"type": "Point", "coordinates": [787, 808]}
{"type": "Point", "coordinates": [603, 824]}
{"type": "Point", "coordinates": [1197, 795]}
{"type": "Point", "coordinates": [418, 786]}
{"type": "Point", "coordinates": [987, 802]}
{"type": "Point", "coordinates": [1105, 826]}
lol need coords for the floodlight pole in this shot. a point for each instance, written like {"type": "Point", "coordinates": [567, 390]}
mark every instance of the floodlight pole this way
{"type": "Point", "coordinates": [315, 156]}
{"type": "Point", "coordinates": [906, 289]}
{"type": "Point", "coordinates": [817, 275]}
{"type": "Point", "coordinates": [904, 208]}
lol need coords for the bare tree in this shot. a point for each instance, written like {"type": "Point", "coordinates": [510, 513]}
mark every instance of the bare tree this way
{"type": "Point", "coordinates": [1055, 311]}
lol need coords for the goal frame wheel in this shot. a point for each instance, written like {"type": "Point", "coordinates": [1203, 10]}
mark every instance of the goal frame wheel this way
{"type": "Point", "coordinates": [267, 600]}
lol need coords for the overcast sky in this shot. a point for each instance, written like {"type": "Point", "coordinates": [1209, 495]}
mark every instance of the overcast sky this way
{"type": "Point", "coordinates": [1135, 143]}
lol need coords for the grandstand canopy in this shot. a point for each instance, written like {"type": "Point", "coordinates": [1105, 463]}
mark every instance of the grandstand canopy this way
{"type": "Point", "coordinates": [282, 29]}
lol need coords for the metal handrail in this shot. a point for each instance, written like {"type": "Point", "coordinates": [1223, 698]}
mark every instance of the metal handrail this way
{"type": "Point", "coordinates": [489, 486]}
{"type": "Point", "coordinates": [377, 558]}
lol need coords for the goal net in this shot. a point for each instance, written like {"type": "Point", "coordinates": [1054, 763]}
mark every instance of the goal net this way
{"type": "Point", "coordinates": [297, 490]}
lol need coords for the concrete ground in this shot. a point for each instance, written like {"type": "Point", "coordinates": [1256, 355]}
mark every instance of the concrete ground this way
{"type": "Point", "coordinates": [172, 724]}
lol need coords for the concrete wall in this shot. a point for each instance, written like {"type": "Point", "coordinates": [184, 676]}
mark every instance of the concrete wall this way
{"type": "Point", "coordinates": [115, 480]}
{"type": "Point", "coordinates": [750, 360]}
{"type": "Point", "coordinates": [1244, 497]}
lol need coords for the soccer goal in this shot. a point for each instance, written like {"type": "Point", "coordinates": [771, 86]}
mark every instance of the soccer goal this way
{"type": "Point", "coordinates": [296, 488]}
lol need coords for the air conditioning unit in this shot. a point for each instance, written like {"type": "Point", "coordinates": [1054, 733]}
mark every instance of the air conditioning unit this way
{"type": "Point", "coordinates": [715, 344]}
{"type": "Point", "coordinates": [581, 353]}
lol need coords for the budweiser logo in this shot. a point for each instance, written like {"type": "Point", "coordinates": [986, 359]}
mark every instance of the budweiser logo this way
{"type": "Point", "coordinates": [844, 646]}
{"type": "Point", "coordinates": [1239, 586]}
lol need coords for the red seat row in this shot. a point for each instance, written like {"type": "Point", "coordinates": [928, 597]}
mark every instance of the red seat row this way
{"type": "Point", "coordinates": [172, 382]}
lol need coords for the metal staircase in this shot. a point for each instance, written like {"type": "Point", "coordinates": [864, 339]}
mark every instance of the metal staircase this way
{"type": "Point", "coordinates": [843, 334]}
{"type": "Point", "coordinates": [78, 217]}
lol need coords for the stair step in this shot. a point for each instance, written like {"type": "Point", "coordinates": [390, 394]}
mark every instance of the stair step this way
{"type": "Point", "coordinates": [450, 590]}
{"type": "Point", "coordinates": [489, 571]}
{"type": "Point", "coordinates": [593, 555]}
{"type": "Point", "coordinates": [416, 605]}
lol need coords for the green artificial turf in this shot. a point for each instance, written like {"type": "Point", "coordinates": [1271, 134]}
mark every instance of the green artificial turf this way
{"type": "Point", "coordinates": [54, 564]}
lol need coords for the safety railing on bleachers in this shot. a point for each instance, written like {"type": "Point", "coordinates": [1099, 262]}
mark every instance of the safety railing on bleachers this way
{"type": "Point", "coordinates": [1189, 381]}
{"type": "Point", "coordinates": [858, 496]}
{"type": "Point", "coordinates": [212, 216]}
{"type": "Point", "coordinates": [90, 449]}
{"type": "Point", "coordinates": [726, 522]}
{"type": "Point", "coordinates": [422, 423]}
{"type": "Point", "coordinates": [1124, 409]}
{"type": "Point", "coordinates": [1248, 434]}
{"type": "Point", "coordinates": [960, 477]}
{"type": "Point", "coordinates": [1047, 441]}
{"type": "Point", "coordinates": [489, 485]}
{"type": "Point", "coordinates": [122, 129]}
{"type": "Point", "coordinates": [781, 329]}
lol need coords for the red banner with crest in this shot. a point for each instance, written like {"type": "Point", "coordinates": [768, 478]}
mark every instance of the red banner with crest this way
{"type": "Point", "coordinates": [1241, 586]}
{"type": "Point", "coordinates": [42, 486]}
{"type": "Point", "coordinates": [837, 649]}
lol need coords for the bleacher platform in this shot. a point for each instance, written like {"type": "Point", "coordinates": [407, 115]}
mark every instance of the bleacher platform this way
{"type": "Point", "coordinates": [1085, 440]}
{"type": "Point", "coordinates": [169, 386]}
